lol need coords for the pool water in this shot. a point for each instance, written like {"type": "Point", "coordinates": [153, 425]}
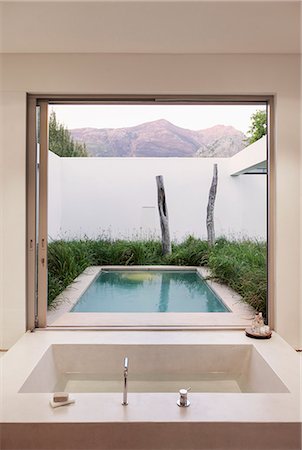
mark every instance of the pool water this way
{"type": "Point", "coordinates": [149, 291]}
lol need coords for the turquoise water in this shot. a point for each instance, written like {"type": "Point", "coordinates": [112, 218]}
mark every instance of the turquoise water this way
{"type": "Point", "coordinates": [149, 291]}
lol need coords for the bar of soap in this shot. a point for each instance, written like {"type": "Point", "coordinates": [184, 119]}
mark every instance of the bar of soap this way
{"type": "Point", "coordinates": [59, 397]}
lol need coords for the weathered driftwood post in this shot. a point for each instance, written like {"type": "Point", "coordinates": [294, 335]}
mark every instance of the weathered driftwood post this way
{"type": "Point", "coordinates": [163, 215]}
{"type": "Point", "coordinates": [211, 205]}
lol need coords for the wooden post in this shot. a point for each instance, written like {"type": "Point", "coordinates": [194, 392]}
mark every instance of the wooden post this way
{"type": "Point", "coordinates": [211, 205]}
{"type": "Point", "coordinates": [163, 215]}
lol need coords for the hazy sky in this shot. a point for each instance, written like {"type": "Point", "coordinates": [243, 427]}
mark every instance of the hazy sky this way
{"type": "Point", "coordinates": [194, 117]}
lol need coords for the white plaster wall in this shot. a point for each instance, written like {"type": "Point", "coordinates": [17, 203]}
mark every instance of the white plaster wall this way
{"type": "Point", "coordinates": [249, 157]}
{"type": "Point", "coordinates": [54, 195]}
{"type": "Point", "coordinates": [1, 221]}
{"type": "Point", "coordinates": [300, 249]}
{"type": "Point", "coordinates": [170, 27]}
{"type": "Point", "coordinates": [118, 197]}
{"type": "Point", "coordinates": [13, 224]}
{"type": "Point", "coordinates": [158, 74]}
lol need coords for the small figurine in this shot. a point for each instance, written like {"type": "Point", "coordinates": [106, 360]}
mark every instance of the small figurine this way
{"type": "Point", "coordinates": [258, 329]}
{"type": "Point", "coordinates": [256, 323]}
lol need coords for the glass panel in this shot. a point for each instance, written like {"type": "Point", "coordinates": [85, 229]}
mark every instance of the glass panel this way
{"type": "Point", "coordinates": [105, 207]}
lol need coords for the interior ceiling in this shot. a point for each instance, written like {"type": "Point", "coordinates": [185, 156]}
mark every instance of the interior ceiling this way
{"type": "Point", "coordinates": [151, 27]}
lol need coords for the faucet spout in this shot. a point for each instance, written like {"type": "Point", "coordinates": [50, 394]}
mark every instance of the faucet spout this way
{"type": "Point", "coordinates": [126, 364]}
{"type": "Point", "coordinates": [125, 391]}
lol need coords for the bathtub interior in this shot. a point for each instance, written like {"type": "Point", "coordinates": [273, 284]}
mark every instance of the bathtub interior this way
{"type": "Point", "coordinates": [96, 368]}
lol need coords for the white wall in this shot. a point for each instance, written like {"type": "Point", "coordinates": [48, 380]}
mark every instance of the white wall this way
{"type": "Point", "coordinates": [157, 74]}
{"type": "Point", "coordinates": [170, 27]}
{"type": "Point", "coordinates": [13, 214]}
{"type": "Point", "coordinates": [255, 155]}
{"type": "Point", "coordinates": [54, 194]}
{"type": "Point", "coordinates": [93, 196]}
{"type": "Point", "coordinates": [1, 222]}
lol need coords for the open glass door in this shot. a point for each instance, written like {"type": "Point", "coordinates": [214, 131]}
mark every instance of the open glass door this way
{"type": "Point", "coordinates": [42, 214]}
{"type": "Point", "coordinates": [37, 155]}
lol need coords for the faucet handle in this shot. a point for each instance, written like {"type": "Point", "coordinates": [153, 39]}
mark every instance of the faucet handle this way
{"type": "Point", "coordinates": [183, 401]}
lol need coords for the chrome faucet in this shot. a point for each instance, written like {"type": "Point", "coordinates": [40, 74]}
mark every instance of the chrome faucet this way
{"type": "Point", "coordinates": [125, 392]}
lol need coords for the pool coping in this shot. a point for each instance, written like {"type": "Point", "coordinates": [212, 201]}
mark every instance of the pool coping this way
{"type": "Point", "coordinates": [240, 313]}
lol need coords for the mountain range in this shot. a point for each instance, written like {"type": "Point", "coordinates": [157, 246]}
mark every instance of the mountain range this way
{"type": "Point", "coordinates": [161, 138]}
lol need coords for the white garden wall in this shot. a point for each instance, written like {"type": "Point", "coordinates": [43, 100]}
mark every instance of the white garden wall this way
{"type": "Point", "coordinates": [54, 195]}
{"type": "Point", "coordinates": [118, 197]}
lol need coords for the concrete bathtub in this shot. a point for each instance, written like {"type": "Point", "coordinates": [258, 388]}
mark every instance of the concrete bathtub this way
{"type": "Point", "coordinates": [81, 368]}
{"type": "Point", "coordinates": [243, 392]}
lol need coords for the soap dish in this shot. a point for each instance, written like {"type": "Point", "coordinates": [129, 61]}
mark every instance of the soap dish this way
{"type": "Point", "coordinates": [57, 404]}
{"type": "Point", "coordinates": [252, 334]}
{"type": "Point", "coordinates": [60, 399]}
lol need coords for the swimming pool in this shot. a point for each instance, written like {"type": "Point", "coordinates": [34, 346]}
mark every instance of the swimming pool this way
{"type": "Point", "coordinates": [149, 291]}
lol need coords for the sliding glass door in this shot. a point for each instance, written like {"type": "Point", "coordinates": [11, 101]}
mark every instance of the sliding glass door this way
{"type": "Point", "coordinates": [91, 202]}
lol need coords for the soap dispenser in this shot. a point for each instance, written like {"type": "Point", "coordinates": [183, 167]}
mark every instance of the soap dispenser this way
{"type": "Point", "coordinates": [183, 401]}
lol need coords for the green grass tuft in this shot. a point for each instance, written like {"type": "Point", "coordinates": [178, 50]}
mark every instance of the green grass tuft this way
{"type": "Point", "coordinates": [242, 266]}
{"type": "Point", "coordinates": [238, 264]}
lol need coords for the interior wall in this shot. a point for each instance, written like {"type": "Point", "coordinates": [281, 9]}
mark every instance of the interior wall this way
{"type": "Point", "coordinates": [181, 26]}
{"type": "Point", "coordinates": [300, 323]}
{"type": "Point", "coordinates": [12, 188]}
{"type": "Point", "coordinates": [156, 74]}
{"type": "Point", "coordinates": [1, 222]}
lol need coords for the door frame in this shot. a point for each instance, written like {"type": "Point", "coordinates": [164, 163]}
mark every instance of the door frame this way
{"type": "Point", "coordinates": [36, 192]}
